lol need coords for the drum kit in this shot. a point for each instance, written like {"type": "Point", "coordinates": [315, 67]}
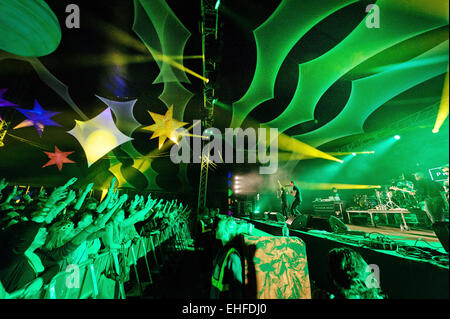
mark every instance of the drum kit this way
{"type": "Point", "coordinates": [399, 194]}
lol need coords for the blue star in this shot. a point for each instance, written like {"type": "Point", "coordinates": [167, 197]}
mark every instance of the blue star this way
{"type": "Point", "coordinates": [37, 117]}
{"type": "Point", "coordinates": [3, 102]}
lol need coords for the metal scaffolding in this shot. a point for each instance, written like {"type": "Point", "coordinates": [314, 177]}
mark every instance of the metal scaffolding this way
{"type": "Point", "coordinates": [3, 131]}
{"type": "Point", "coordinates": [425, 117]}
{"type": "Point", "coordinates": [209, 26]}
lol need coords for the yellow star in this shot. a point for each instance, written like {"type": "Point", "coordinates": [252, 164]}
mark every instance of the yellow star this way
{"type": "Point", "coordinates": [165, 127]}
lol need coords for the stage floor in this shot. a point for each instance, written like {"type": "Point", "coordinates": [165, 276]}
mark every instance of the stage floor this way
{"type": "Point", "coordinates": [413, 237]}
{"type": "Point", "coordinates": [394, 232]}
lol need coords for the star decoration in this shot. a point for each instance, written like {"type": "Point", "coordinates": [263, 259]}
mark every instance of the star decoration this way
{"type": "Point", "coordinates": [98, 136]}
{"type": "Point", "coordinates": [37, 117]}
{"type": "Point", "coordinates": [3, 102]}
{"type": "Point", "coordinates": [165, 127]}
{"type": "Point", "coordinates": [58, 158]}
{"type": "Point", "coordinates": [123, 111]}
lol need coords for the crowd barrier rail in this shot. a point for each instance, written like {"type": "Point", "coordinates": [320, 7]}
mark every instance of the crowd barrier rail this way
{"type": "Point", "coordinates": [103, 276]}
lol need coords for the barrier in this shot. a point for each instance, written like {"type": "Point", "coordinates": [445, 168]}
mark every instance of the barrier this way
{"type": "Point", "coordinates": [86, 280]}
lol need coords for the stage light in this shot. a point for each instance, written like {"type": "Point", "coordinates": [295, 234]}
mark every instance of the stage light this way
{"type": "Point", "coordinates": [397, 137]}
{"type": "Point", "coordinates": [443, 107]}
{"type": "Point", "coordinates": [216, 7]}
{"type": "Point", "coordinates": [354, 154]}
{"type": "Point", "coordinates": [214, 101]}
{"type": "Point", "coordinates": [290, 144]}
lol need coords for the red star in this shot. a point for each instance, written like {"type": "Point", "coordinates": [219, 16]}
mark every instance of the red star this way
{"type": "Point", "coordinates": [58, 158]}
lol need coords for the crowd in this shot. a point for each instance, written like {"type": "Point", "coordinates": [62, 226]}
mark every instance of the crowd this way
{"type": "Point", "coordinates": [349, 275]}
{"type": "Point", "coordinates": [41, 235]}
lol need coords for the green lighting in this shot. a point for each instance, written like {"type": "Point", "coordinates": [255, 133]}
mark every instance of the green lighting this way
{"type": "Point", "coordinates": [28, 28]}
{"type": "Point", "coordinates": [364, 100]}
{"type": "Point", "coordinates": [274, 40]}
{"type": "Point", "coordinates": [399, 25]}
{"type": "Point", "coordinates": [216, 7]}
{"type": "Point", "coordinates": [397, 137]}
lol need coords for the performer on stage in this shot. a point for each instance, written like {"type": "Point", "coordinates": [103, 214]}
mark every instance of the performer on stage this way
{"type": "Point", "coordinates": [446, 182]}
{"type": "Point", "coordinates": [430, 193]}
{"type": "Point", "coordinates": [404, 184]}
{"type": "Point", "coordinates": [335, 194]}
{"type": "Point", "coordinates": [297, 200]}
{"type": "Point", "coordinates": [446, 187]}
{"type": "Point", "coordinates": [283, 202]}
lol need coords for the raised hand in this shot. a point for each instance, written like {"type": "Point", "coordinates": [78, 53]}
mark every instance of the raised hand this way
{"type": "Point", "coordinates": [27, 198]}
{"type": "Point", "coordinates": [70, 182]}
{"type": "Point", "coordinates": [13, 192]}
{"type": "Point", "coordinates": [42, 193]}
{"type": "Point", "coordinates": [71, 196]}
{"type": "Point", "coordinates": [135, 202]}
{"type": "Point", "coordinates": [3, 184]}
{"type": "Point", "coordinates": [58, 194]}
{"type": "Point", "coordinates": [123, 198]}
{"type": "Point", "coordinates": [113, 183]}
{"type": "Point", "coordinates": [11, 195]}
{"type": "Point", "coordinates": [89, 187]}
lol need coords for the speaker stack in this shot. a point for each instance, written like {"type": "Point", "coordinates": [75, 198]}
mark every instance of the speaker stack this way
{"type": "Point", "coordinates": [274, 216]}
{"type": "Point", "coordinates": [441, 231]}
{"type": "Point", "coordinates": [305, 222]}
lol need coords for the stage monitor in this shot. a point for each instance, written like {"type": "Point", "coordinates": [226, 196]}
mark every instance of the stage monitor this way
{"type": "Point", "coordinates": [441, 231]}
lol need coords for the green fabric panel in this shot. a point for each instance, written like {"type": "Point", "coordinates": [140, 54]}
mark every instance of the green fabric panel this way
{"type": "Point", "coordinates": [274, 39]}
{"type": "Point", "coordinates": [28, 28]}
{"type": "Point", "coordinates": [399, 21]}
{"type": "Point", "coordinates": [369, 93]}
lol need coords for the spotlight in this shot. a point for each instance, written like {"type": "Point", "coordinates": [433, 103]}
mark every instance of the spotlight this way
{"type": "Point", "coordinates": [216, 7]}
{"type": "Point", "coordinates": [397, 137]}
{"type": "Point", "coordinates": [435, 130]}
{"type": "Point", "coordinates": [354, 154]}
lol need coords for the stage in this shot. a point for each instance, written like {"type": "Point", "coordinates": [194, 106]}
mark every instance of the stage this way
{"type": "Point", "coordinates": [412, 264]}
